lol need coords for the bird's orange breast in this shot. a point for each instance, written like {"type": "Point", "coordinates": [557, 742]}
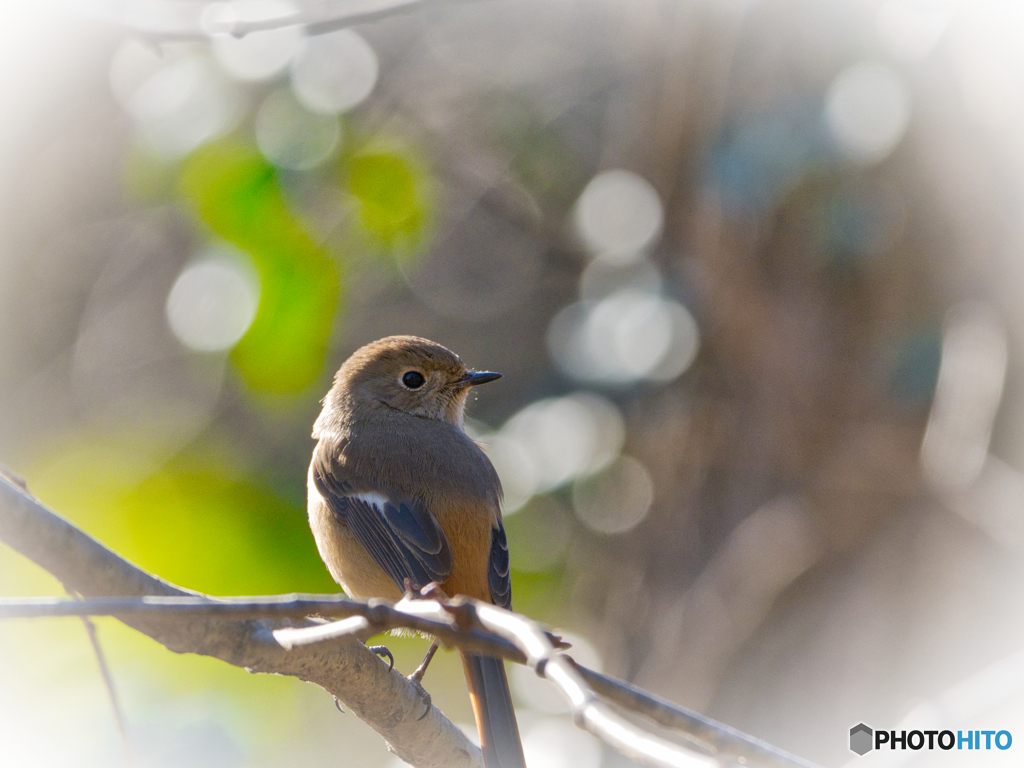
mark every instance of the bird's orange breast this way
{"type": "Point", "coordinates": [466, 525]}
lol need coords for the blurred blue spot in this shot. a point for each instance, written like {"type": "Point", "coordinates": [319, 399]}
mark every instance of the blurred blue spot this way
{"type": "Point", "coordinates": [855, 226]}
{"type": "Point", "coordinates": [756, 163]}
{"type": "Point", "coordinates": [915, 371]}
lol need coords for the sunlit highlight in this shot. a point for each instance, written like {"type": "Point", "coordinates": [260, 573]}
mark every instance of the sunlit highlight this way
{"type": "Point", "coordinates": [334, 72]}
{"type": "Point", "coordinates": [177, 104]}
{"type": "Point", "coordinates": [615, 500]}
{"type": "Point", "coordinates": [618, 215]}
{"type": "Point", "coordinates": [292, 137]}
{"type": "Point", "coordinates": [970, 387]}
{"type": "Point", "coordinates": [213, 302]}
{"type": "Point", "coordinates": [258, 55]}
{"type": "Point", "coordinates": [867, 109]}
{"type": "Point", "coordinates": [552, 441]}
{"type": "Point", "coordinates": [628, 336]}
{"type": "Point", "coordinates": [540, 695]}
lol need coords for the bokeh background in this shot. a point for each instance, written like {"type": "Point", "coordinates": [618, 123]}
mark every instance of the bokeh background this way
{"type": "Point", "coordinates": [753, 273]}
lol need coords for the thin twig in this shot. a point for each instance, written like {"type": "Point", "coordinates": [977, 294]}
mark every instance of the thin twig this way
{"type": "Point", "coordinates": [115, 702]}
{"type": "Point", "coordinates": [177, 20]}
{"type": "Point", "coordinates": [588, 710]}
{"type": "Point", "coordinates": [13, 478]}
{"type": "Point", "coordinates": [725, 739]}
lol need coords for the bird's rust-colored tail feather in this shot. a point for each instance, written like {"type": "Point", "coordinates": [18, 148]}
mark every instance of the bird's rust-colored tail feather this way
{"type": "Point", "coordinates": [492, 706]}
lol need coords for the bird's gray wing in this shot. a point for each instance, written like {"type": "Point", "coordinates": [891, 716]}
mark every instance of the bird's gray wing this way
{"type": "Point", "coordinates": [401, 534]}
{"type": "Point", "coordinates": [498, 568]}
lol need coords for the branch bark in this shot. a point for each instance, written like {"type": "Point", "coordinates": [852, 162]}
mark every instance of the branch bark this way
{"type": "Point", "coordinates": [274, 634]}
{"type": "Point", "coordinates": [383, 698]}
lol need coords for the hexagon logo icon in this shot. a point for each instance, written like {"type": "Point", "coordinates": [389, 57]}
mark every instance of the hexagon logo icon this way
{"type": "Point", "coordinates": [861, 739]}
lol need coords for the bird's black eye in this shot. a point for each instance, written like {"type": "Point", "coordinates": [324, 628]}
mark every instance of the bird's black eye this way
{"type": "Point", "coordinates": [413, 380]}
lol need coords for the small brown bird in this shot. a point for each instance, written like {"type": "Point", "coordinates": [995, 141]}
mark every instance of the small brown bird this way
{"type": "Point", "coordinates": [397, 491]}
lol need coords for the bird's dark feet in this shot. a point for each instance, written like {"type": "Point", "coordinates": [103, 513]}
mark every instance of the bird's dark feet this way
{"type": "Point", "coordinates": [427, 702]}
{"type": "Point", "coordinates": [384, 653]}
{"type": "Point", "coordinates": [421, 670]}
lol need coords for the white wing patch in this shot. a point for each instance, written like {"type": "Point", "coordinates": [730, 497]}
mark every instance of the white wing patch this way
{"type": "Point", "coordinates": [377, 500]}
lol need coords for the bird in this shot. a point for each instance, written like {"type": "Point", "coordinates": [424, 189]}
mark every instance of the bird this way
{"type": "Point", "coordinates": [400, 497]}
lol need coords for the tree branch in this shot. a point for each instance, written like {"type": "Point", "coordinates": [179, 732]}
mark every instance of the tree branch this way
{"type": "Point", "coordinates": [274, 634]}
{"type": "Point", "coordinates": [182, 20]}
{"type": "Point", "coordinates": [384, 699]}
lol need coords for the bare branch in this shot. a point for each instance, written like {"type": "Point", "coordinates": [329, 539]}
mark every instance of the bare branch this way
{"type": "Point", "coordinates": [287, 642]}
{"type": "Point", "coordinates": [724, 740]}
{"type": "Point", "coordinates": [115, 701]}
{"type": "Point", "coordinates": [588, 710]}
{"type": "Point", "coordinates": [428, 616]}
{"type": "Point", "coordinates": [384, 699]}
{"type": "Point", "coordinates": [376, 616]}
{"type": "Point", "coordinates": [196, 20]}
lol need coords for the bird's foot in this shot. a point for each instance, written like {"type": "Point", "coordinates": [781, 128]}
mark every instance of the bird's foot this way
{"type": "Point", "coordinates": [431, 590]}
{"type": "Point", "coordinates": [421, 670]}
{"type": "Point", "coordinates": [384, 653]}
{"type": "Point", "coordinates": [427, 701]}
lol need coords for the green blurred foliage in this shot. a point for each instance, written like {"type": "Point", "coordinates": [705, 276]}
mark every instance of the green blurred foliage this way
{"type": "Point", "coordinates": [538, 537]}
{"type": "Point", "coordinates": [238, 195]}
{"type": "Point", "coordinates": [392, 194]}
{"type": "Point", "coordinates": [199, 520]}
{"type": "Point", "coordinates": [195, 520]}
{"type": "Point", "coordinates": [222, 536]}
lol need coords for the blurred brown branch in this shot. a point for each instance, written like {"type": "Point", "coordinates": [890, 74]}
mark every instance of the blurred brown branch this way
{"type": "Point", "coordinates": [324, 653]}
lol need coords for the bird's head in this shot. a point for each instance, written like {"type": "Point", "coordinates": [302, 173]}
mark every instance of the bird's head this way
{"type": "Point", "coordinates": [407, 374]}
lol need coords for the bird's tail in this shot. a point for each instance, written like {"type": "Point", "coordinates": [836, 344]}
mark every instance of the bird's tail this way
{"type": "Point", "coordinates": [492, 706]}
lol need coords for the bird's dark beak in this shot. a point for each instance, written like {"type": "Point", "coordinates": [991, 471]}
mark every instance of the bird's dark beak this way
{"type": "Point", "coordinates": [472, 378]}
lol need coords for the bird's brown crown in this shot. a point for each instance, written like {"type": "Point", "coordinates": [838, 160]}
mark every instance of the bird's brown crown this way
{"type": "Point", "coordinates": [405, 373]}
